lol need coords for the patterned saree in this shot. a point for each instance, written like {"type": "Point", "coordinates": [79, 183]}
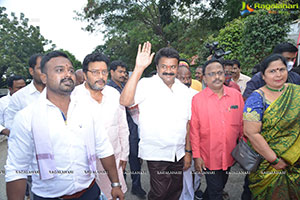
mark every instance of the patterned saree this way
{"type": "Point", "coordinates": [281, 130]}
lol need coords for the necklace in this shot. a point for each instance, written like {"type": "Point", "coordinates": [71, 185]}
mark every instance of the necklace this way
{"type": "Point", "coordinates": [275, 90]}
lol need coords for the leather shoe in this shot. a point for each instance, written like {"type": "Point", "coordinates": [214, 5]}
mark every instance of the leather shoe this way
{"type": "Point", "coordinates": [139, 192]}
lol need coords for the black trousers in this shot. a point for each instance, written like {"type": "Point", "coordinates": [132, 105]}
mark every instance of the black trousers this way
{"type": "Point", "coordinates": [246, 195]}
{"type": "Point", "coordinates": [216, 181]}
{"type": "Point", "coordinates": [166, 180]}
{"type": "Point", "coordinates": [134, 161]}
{"type": "Point", "coordinates": [92, 193]}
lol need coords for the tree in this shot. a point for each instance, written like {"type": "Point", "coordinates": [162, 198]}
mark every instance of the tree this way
{"type": "Point", "coordinates": [262, 32]}
{"type": "Point", "coordinates": [126, 23]}
{"type": "Point", "coordinates": [76, 63]}
{"type": "Point", "coordinates": [252, 38]}
{"type": "Point", "coordinates": [186, 25]}
{"type": "Point", "coordinates": [18, 41]}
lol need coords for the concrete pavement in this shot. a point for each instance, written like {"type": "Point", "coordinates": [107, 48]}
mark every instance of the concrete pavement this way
{"type": "Point", "coordinates": [234, 185]}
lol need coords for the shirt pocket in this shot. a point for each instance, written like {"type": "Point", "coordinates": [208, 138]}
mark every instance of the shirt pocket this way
{"type": "Point", "coordinates": [235, 116]}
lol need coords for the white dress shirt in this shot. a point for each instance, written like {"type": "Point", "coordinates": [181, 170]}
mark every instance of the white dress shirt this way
{"type": "Point", "coordinates": [20, 100]}
{"type": "Point", "coordinates": [192, 93]}
{"type": "Point", "coordinates": [164, 113]}
{"type": "Point", "coordinates": [4, 101]}
{"type": "Point", "coordinates": [242, 82]}
{"type": "Point", "coordinates": [113, 116]}
{"type": "Point", "coordinates": [67, 140]}
{"type": "Point", "coordinates": [188, 190]}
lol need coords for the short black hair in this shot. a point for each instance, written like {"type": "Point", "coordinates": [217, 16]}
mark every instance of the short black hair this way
{"type": "Point", "coordinates": [255, 69]}
{"type": "Point", "coordinates": [33, 58]}
{"type": "Point", "coordinates": [114, 65]}
{"type": "Point", "coordinates": [228, 62]}
{"type": "Point", "coordinates": [11, 79]}
{"type": "Point", "coordinates": [209, 62]}
{"type": "Point", "coordinates": [94, 57]}
{"type": "Point", "coordinates": [284, 47]}
{"type": "Point", "coordinates": [236, 62]}
{"type": "Point", "coordinates": [166, 52]}
{"type": "Point", "coordinates": [266, 62]}
{"type": "Point", "coordinates": [48, 56]}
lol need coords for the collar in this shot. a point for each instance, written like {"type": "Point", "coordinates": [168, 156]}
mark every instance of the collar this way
{"type": "Point", "coordinates": [43, 99]}
{"type": "Point", "coordinates": [242, 77]}
{"type": "Point", "coordinates": [86, 92]}
{"type": "Point", "coordinates": [32, 88]}
{"type": "Point", "coordinates": [209, 92]}
{"type": "Point", "coordinates": [113, 84]}
{"type": "Point", "coordinates": [160, 81]}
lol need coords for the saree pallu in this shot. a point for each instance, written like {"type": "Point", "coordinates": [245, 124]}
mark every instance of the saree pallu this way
{"type": "Point", "coordinates": [281, 130]}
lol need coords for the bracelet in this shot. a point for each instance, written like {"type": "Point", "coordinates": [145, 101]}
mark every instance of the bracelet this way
{"type": "Point", "coordinates": [116, 185]}
{"type": "Point", "coordinates": [188, 151]}
{"type": "Point", "coordinates": [275, 161]}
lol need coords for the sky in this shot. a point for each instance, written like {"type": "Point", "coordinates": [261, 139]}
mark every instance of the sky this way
{"type": "Point", "coordinates": [55, 19]}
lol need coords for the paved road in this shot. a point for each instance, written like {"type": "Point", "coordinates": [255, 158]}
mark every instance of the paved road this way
{"type": "Point", "coordinates": [234, 185]}
{"type": "Point", "coordinates": [3, 154]}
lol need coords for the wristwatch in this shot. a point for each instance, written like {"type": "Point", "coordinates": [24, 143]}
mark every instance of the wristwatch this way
{"type": "Point", "coordinates": [116, 185]}
{"type": "Point", "coordinates": [188, 151]}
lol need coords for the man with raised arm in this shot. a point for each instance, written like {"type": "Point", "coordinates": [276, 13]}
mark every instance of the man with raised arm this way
{"type": "Point", "coordinates": [164, 115]}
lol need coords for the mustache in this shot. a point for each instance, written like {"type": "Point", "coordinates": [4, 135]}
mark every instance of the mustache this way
{"type": "Point", "coordinates": [168, 74]}
{"type": "Point", "coordinates": [100, 81]}
{"type": "Point", "coordinates": [217, 80]}
{"type": "Point", "coordinates": [66, 79]}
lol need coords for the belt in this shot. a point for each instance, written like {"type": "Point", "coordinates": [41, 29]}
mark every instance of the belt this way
{"type": "Point", "coordinates": [78, 194]}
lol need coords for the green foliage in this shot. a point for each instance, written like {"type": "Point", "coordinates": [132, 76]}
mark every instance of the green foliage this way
{"type": "Point", "coordinates": [181, 24]}
{"type": "Point", "coordinates": [18, 41]}
{"type": "Point", "coordinates": [186, 25]}
{"type": "Point", "coordinates": [76, 63]}
{"type": "Point", "coordinates": [262, 32]}
{"type": "Point", "coordinates": [250, 39]}
{"type": "Point", "coordinates": [230, 37]}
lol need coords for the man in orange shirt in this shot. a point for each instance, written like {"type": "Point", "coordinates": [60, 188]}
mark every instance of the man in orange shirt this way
{"type": "Point", "coordinates": [216, 124]}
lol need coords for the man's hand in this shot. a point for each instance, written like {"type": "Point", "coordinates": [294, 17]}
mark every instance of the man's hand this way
{"type": "Point", "coordinates": [280, 165]}
{"type": "Point", "coordinates": [5, 132]}
{"type": "Point", "coordinates": [187, 161]}
{"type": "Point", "coordinates": [116, 192]}
{"type": "Point", "coordinates": [122, 164]}
{"type": "Point", "coordinates": [199, 164]}
{"type": "Point", "coordinates": [144, 56]}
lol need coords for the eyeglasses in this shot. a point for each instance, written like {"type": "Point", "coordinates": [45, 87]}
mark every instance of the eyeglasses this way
{"type": "Point", "coordinates": [212, 74]}
{"type": "Point", "coordinates": [98, 72]}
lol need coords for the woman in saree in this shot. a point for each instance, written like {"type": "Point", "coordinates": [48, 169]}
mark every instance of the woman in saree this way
{"type": "Point", "coordinates": [272, 126]}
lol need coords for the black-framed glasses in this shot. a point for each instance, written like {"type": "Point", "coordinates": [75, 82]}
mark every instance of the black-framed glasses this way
{"type": "Point", "coordinates": [98, 72]}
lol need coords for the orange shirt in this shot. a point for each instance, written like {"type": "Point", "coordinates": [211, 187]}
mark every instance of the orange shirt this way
{"type": "Point", "coordinates": [216, 124]}
{"type": "Point", "coordinates": [196, 85]}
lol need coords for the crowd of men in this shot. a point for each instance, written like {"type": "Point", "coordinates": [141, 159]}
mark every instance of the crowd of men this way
{"type": "Point", "coordinates": [68, 142]}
